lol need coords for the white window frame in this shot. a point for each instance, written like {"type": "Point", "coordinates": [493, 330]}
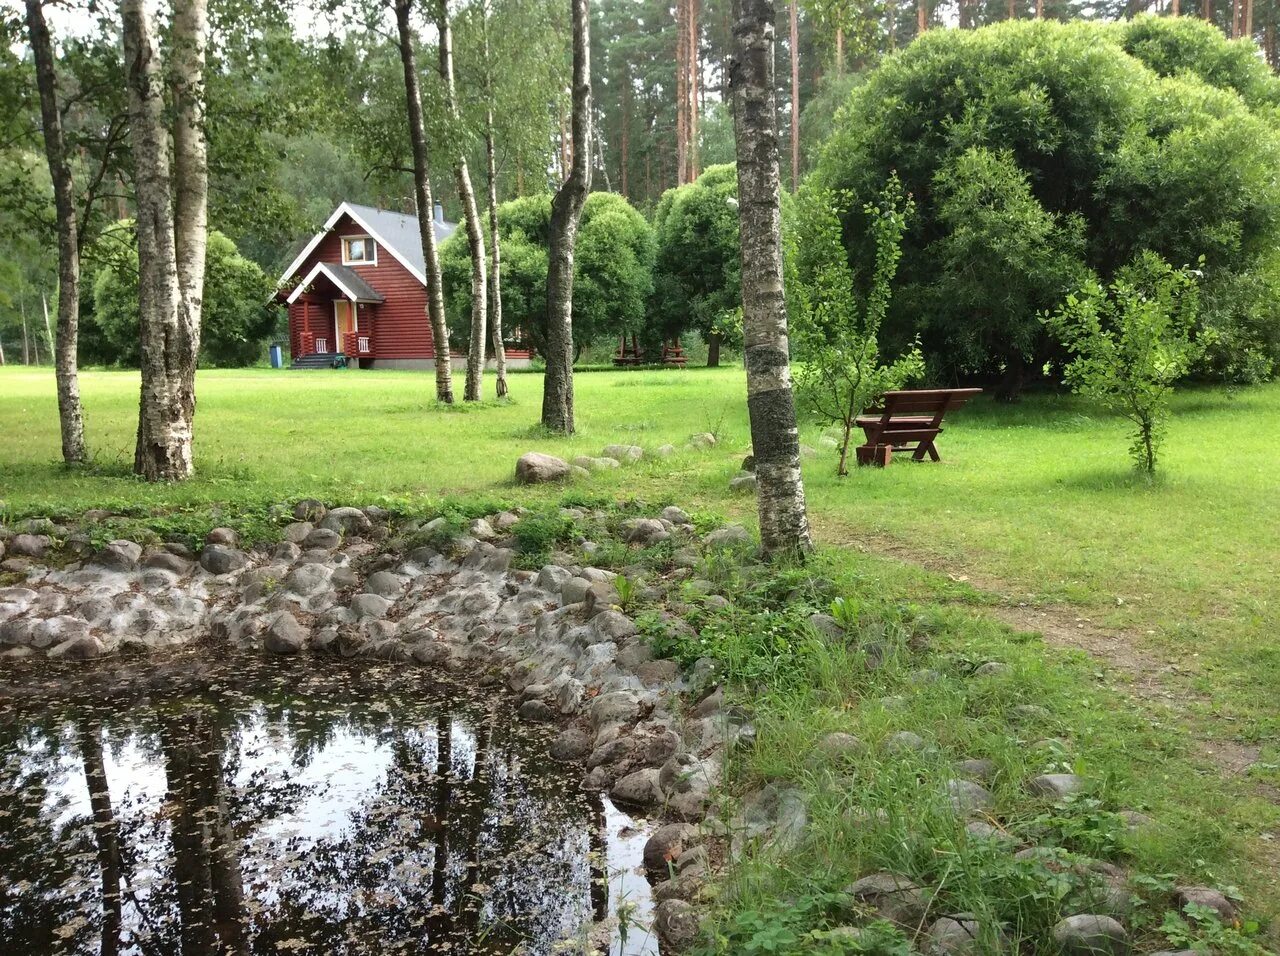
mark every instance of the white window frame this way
{"type": "Point", "coordinates": [346, 261]}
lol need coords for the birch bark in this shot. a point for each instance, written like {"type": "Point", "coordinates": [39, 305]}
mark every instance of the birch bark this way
{"type": "Point", "coordinates": [426, 207]}
{"type": "Point", "coordinates": [168, 320]}
{"type": "Point", "coordinates": [66, 365]}
{"type": "Point", "coordinates": [473, 390]}
{"type": "Point", "coordinates": [495, 246]}
{"type": "Point", "coordinates": [775, 439]}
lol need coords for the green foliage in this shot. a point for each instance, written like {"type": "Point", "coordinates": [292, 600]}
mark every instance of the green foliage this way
{"type": "Point", "coordinates": [697, 282]}
{"type": "Point", "coordinates": [238, 310]}
{"type": "Point", "coordinates": [1040, 153]}
{"type": "Point", "coordinates": [835, 325]}
{"type": "Point", "coordinates": [538, 535]}
{"type": "Point", "coordinates": [1200, 928]}
{"type": "Point", "coordinates": [613, 269]}
{"type": "Point", "coordinates": [1131, 343]}
{"type": "Point", "coordinates": [786, 928]}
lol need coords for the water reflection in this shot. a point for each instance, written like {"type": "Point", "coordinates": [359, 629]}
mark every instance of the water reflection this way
{"type": "Point", "coordinates": [271, 807]}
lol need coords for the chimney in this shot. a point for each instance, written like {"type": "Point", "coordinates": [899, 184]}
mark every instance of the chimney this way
{"type": "Point", "coordinates": [439, 212]}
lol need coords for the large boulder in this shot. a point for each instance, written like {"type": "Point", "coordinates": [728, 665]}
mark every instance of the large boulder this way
{"type": "Point", "coordinates": [534, 468]}
{"type": "Point", "coordinates": [28, 545]}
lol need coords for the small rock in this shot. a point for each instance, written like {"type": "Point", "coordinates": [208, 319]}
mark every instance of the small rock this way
{"type": "Point", "coordinates": [535, 468]}
{"type": "Point", "coordinates": [730, 536]}
{"type": "Point", "coordinates": [165, 561]}
{"type": "Point", "coordinates": [1028, 712]}
{"type": "Point", "coordinates": [309, 509]}
{"type": "Point", "coordinates": [538, 710]}
{"type": "Point", "coordinates": [666, 844]}
{"type": "Point", "coordinates": [1090, 934]}
{"type": "Point", "coordinates": [676, 923]}
{"type": "Point", "coordinates": [385, 584]}
{"type": "Point", "coordinates": [1206, 896]}
{"type": "Point", "coordinates": [570, 745]}
{"type": "Point", "coordinates": [347, 522]}
{"type": "Point", "coordinates": [227, 536]}
{"type": "Point", "coordinates": [297, 531]}
{"type": "Point", "coordinates": [644, 531]}
{"type": "Point", "coordinates": [665, 451]}
{"type": "Point", "coordinates": [1056, 786]}
{"type": "Point", "coordinates": [118, 556]}
{"type": "Point", "coordinates": [481, 530]}
{"type": "Point", "coordinates": [322, 539]}
{"type": "Point", "coordinates": [370, 605]}
{"type": "Point", "coordinates": [968, 797]}
{"type": "Point", "coordinates": [285, 635]}
{"type": "Point", "coordinates": [903, 742]}
{"type": "Point", "coordinates": [953, 936]}
{"type": "Point", "coordinates": [703, 440]}
{"type": "Point", "coordinates": [623, 452]}
{"type": "Point", "coordinates": [893, 897]}
{"type": "Point", "coordinates": [639, 788]}
{"type": "Point", "coordinates": [675, 515]}
{"type": "Point", "coordinates": [28, 546]}
{"type": "Point", "coordinates": [574, 590]}
{"type": "Point", "coordinates": [977, 769]}
{"type": "Point", "coordinates": [993, 669]}
{"type": "Point", "coordinates": [1135, 821]}
{"type": "Point", "coordinates": [743, 483]}
{"type": "Point", "coordinates": [840, 746]}
{"type": "Point", "coordinates": [220, 559]}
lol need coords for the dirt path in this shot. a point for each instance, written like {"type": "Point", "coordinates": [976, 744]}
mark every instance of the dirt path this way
{"type": "Point", "coordinates": [1132, 669]}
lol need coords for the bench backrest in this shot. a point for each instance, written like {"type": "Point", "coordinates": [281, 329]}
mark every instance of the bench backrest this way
{"type": "Point", "coordinates": [924, 401]}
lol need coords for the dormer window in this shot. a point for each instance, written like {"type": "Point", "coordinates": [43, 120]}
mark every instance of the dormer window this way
{"type": "Point", "coordinates": [359, 250]}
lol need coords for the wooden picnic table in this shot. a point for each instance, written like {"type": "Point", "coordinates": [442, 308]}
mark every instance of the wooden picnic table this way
{"type": "Point", "coordinates": [908, 420]}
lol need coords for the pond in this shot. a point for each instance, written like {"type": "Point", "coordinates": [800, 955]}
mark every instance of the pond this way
{"type": "Point", "coordinates": [255, 806]}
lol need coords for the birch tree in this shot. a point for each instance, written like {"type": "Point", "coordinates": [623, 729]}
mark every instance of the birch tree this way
{"type": "Point", "coordinates": [472, 392]}
{"type": "Point", "coordinates": [566, 209]}
{"type": "Point", "coordinates": [172, 201]}
{"type": "Point", "coordinates": [491, 177]}
{"type": "Point", "coordinates": [65, 363]}
{"type": "Point", "coordinates": [424, 203]}
{"type": "Point", "coordinates": [775, 438]}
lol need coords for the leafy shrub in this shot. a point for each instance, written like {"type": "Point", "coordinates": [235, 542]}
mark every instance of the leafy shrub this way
{"type": "Point", "coordinates": [1040, 153]}
{"type": "Point", "coordinates": [697, 276]}
{"type": "Point", "coordinates": [1131, 342]}
{"type": "Point", "coordinates": [836, 330]}
{"type": "Point", "coordinates": [238, 312]}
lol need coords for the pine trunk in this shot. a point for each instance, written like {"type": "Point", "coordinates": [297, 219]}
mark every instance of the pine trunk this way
{"type": "Point", "coordinates": [922, 16]}
{"type": "Point", "coordinates": [695, 82]}
{"type": "Point", "coordinates": [169, 337]}
{"type": "Point", "coordinates": [566, 209]}
{"type": "Point", "coordinates": [66, 366]}
{"type": "Point", "coordinates": [775, 437]}
{"type": "Point", "coordinates": [795, 96]}
{"type": "Point", "coordinates": [495, 246]}
{"type": "Point", "coordinates": [682, 90]}
{"type": "Point", "coordinates": [474, 389]}
{"type": "Point", "coordinates": [426, 207]}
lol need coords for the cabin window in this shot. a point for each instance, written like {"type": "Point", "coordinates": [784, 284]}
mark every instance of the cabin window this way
{"type": "Point", "coordinates": [357, 250]}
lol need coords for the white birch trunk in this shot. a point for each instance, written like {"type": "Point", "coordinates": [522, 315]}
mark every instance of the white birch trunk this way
{"type": "Point", "coordinates": [775, 437]}
{"type": "Point", "coordinates": [473, 391]}
{"type": "Point", "coordinates": [167, 403]}
{"type": "Point", "coordinates": [66, 344]}
{"type": "Point", "coordinates": [495, 245]}
{"type": "Point", "coordinates": [426, 207]}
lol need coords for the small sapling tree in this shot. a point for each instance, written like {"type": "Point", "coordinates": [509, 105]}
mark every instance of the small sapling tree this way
{"type": "Point", "coordinates": [837, 327]}
{"type": "Point", "coordinates": [1131, 342]}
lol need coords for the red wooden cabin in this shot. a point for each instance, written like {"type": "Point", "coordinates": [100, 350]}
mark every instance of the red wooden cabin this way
{"type": "Point", "coordinates": [358, 292]}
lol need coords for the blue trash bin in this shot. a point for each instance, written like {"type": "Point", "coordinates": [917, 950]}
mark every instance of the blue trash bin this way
{"type": "Point", "coordinates": [277, 356]}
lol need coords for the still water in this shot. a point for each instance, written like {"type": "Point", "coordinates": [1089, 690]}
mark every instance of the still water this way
{"type": "Point", "coordinates": [276, 806]}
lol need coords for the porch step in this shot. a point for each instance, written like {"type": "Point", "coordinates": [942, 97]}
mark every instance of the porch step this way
{"type": "Point", "coordinates": [316, 360]}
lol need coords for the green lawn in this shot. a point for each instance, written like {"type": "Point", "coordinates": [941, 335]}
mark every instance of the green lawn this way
{"type": "Point", "coordinates": [1033, 504]}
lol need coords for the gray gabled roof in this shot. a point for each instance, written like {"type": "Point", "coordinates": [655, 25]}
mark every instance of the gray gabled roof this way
{"type": "Point", "coordinates": [395, 231]}
{"type": "Point", "coordinates": [350, 280]}
{"type": "Point", "coordinates": [400, 231]}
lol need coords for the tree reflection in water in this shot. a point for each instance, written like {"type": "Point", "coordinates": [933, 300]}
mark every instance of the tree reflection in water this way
{"type": "Point", "coordinates": [273, 807]}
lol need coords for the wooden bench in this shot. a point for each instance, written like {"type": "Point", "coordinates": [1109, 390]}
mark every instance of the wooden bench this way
{"type": "Point", "coordinates": [908, 418]}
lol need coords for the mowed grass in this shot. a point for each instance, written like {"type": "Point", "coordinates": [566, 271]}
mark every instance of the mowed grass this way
{"type": "Point", "coordinates": [1035, 503]}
